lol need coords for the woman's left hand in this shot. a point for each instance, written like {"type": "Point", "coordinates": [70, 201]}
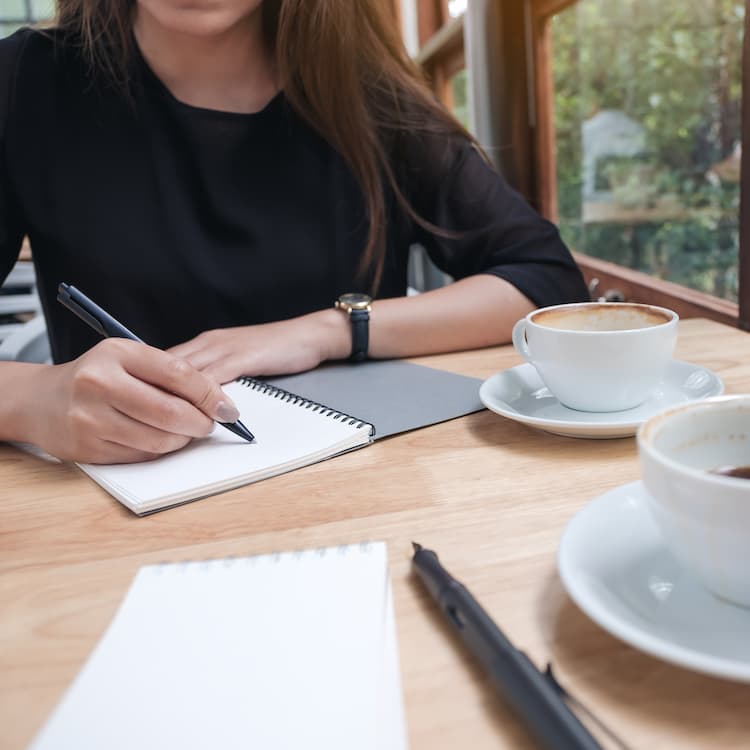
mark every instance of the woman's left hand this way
{"type": "Point", "coordinates": [467, 314]}
{"type": "Point", "coordinates": [285, 347]}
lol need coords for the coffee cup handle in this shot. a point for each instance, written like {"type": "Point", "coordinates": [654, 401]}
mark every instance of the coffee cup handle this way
{"type": "Point", "coordinates": [519, 340]}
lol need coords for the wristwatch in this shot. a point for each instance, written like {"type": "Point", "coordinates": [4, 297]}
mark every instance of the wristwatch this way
{"type": "Point", "coordinates": [357, 306]}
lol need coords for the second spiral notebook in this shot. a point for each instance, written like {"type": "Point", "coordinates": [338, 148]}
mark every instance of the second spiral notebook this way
{"type": "Point", "coordinates": [290, 432]}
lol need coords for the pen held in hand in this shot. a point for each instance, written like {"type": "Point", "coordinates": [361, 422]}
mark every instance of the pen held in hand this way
{"type": "Point", "coordinates": [105, 325]}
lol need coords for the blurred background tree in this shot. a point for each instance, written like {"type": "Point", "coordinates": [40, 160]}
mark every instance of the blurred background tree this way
{"type": "Point", "coordinates": [647, 120]}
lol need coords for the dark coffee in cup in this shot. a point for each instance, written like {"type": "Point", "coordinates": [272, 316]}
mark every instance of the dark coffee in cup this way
{"type": "Point", "coordinates": [739, 472]}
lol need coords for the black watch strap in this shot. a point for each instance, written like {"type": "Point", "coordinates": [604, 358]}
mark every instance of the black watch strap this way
{"type": "Point", "coordinates": [360, 322]}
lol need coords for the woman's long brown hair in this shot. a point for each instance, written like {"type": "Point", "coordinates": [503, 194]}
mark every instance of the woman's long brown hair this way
{"type": "Point", "coordinates": [343, 68]}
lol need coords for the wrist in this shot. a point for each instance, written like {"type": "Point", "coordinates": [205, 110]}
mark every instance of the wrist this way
{"type": "Point", "coordinates": [19, 412]}
{"type": "Point", "coordinates": [334, 334]}
{"type": "Point", "coordinates": [357, 307]}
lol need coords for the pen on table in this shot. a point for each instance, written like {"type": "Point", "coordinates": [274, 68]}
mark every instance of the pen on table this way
{"type": "Point", "coordinates": [104, 324]}
{"type": "Point", "coordinates": [534, 698]}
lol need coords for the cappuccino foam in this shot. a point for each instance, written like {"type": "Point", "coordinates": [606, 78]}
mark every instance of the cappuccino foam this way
{"type": "Point", "coordinates": [606, 316]}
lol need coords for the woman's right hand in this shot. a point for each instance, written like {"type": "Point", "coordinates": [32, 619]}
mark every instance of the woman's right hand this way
{"type": "Point", "coordinates": [121, 401]}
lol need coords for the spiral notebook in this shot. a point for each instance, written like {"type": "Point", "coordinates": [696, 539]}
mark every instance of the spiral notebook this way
{"type": "Point", "coordinates": [292, 650]}
{"type": "Point", "coordinates": [290, 432]}
{"type": "Point", "coordinates": [294, 430]}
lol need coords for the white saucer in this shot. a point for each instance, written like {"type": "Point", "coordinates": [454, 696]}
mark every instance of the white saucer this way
{"type": "Point", "coordinates": [520, 394]}
{"type": "Point", "coordinates": [614, 566]}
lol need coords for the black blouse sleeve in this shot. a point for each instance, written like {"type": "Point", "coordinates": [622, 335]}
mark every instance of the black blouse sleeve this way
{"type": "Point", "coordinates": [493, 229]}
{"type": "Point", "coordinates": [11, 225]}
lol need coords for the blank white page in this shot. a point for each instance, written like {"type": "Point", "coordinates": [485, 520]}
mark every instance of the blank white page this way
{"type": "Point", "coordinates": [282, 651]}
{"type": "Point", "coordinates": [288, 434]}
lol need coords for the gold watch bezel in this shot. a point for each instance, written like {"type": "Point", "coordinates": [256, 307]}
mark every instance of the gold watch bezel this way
{"type": "Point", "coordinates": [354, 301]}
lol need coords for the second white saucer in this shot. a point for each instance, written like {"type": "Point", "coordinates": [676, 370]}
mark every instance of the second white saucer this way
{"type": "Point", "coordinates": [520, 394]}
{"type": "Point", "coordinates": [613, 563]}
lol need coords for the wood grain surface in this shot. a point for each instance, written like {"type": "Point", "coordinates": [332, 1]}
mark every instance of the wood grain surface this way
{"type": "Point", "coordinates": [490, 495]}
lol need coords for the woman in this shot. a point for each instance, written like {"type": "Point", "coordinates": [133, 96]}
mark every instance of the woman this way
{"type": "Point", "coordinates": [216, 173]}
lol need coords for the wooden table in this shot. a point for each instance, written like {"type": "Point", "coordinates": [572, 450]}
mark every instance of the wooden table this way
{"type": "Point", "coordinates": [492, 496]}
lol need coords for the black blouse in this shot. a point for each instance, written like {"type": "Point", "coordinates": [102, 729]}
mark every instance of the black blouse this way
{"type": "Point", "coordinates": [179, 219]}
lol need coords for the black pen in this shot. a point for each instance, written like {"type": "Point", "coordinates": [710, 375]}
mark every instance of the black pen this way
{"type": "Point", "coordinates": [534, 698]}
{"type": "Point", "coordinates": [104, 324]}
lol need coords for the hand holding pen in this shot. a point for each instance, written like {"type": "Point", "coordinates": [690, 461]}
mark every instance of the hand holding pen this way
{"type": "Point", "coordinates": [121, 401]}
{"type": "Point", "coordinates": [103, 323]}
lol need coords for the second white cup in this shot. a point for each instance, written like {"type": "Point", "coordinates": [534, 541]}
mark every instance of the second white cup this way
{"type": "Point", "coordinates": [694, 458]}
{"type": "Point", "coordinates": [598, 356]}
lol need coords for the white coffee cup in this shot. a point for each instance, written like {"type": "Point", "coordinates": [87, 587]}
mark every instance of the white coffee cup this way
{"type": "Point", "coordinates": [598, 356]}
{"type": "Point", "coordinates": [704, 517]}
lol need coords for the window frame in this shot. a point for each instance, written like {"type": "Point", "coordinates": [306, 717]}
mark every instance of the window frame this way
{"type": "Point", "coordinates": [528, 157]}
{"type": "Point", "coordinates": [636, 286]}
{"type": "Point", "coordinates": [744, 270]}
{"type": "Point", "coordinates": [441, 46]}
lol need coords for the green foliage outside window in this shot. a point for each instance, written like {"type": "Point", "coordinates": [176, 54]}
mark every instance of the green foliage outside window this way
{"type": "Point", "coordinates": [460, 106]}
{"type": "Point", "coordinates": [670, 71]}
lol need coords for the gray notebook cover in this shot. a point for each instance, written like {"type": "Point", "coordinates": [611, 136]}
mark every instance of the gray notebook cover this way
{"type": "Point", "coordinates": [393, 396]}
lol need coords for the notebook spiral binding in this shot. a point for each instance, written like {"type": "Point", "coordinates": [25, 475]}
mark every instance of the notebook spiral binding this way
{"type": "Point", "coordinates": [272, 558]}
{"type": "Point", "coordinates": [293, 398]}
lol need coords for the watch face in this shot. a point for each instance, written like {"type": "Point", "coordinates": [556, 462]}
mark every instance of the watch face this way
{"type": "Point", "coordinates": [355, 300]}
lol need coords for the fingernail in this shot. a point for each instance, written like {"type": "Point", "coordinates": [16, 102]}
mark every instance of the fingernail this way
{"type": "Point", "coordinates": [227, 412]}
